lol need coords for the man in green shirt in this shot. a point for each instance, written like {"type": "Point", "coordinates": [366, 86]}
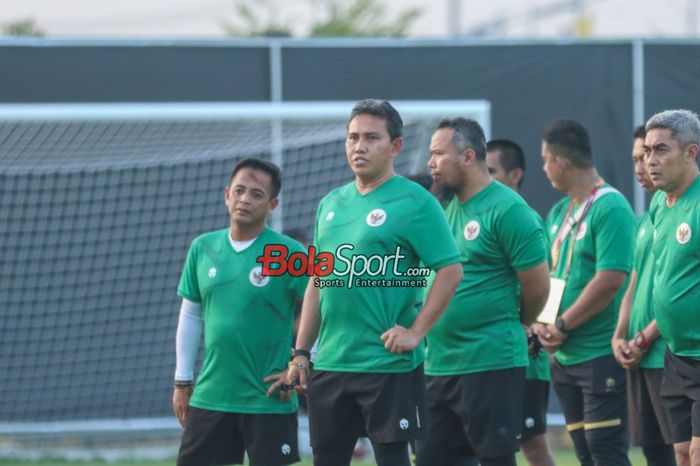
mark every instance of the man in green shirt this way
{"type": "Point", "coordinates": [636, 343]}
{"type": "Point", "coordinates": [479, 345]}
{"type": "Point", "coordinates": [373, 233]}
{"type": "Point", "coordinates": [505, 160]}
{"type": "Point", "coordinates": [671, 152]}
{"type": "Point", "coordinates": [247, 321]}
{"type": "Point", "coordinates": [591, 233]}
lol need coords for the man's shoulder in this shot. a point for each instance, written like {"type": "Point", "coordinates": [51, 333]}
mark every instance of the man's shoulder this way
{"type": "Point", "coordinates": [610, 198]}
{"type": "Point", "coordinates": [275, 237]}
{"type": "Point", "coordinates": [559, 207]}
{"type": "Point", "coordinates": [341, 191]}
{"type": "Point", "coordinates": [411, 190]}
{"type": "Point", "coordinates": [212, 239]}
{"type": "Point", "coordinates": [505, 198]}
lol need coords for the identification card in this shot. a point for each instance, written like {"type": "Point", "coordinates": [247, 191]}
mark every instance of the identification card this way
{"type": "Point", "coordinates": [551, 309]}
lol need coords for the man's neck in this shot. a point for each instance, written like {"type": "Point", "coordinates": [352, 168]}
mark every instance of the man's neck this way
{"type": "Point", "coordinates": [674, 194]}
{"type": "Point", "coordinates": [366, 185]}
{"type": "Point", "coordinates": [244, 232]}
{"type": "Point", "coordinates": [584, 180]}
{"type": "Point", "coordinates": [474, 183]}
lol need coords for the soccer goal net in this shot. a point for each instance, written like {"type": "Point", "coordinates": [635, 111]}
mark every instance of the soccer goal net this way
{"type": "Point", "coordinates": [98, 205]}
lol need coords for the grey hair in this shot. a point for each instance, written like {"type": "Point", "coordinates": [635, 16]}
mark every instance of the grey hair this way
{"type": "Point", "coordinates": [684, 125]}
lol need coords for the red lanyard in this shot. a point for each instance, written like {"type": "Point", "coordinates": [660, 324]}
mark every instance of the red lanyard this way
{"type": "Point", "coordinates": [567, 227]}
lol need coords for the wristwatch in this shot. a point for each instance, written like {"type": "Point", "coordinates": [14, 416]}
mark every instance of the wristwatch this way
{"type": "Point", "coordinates": [561, 325]}
{"type": "Point", "coordinates": [301, 352]}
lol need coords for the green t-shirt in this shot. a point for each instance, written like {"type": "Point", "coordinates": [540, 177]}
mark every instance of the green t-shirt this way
{"type": "Point", "coordinates": [642, 309]}
{"type": "Point", "coordinates": [497, 234]}
{"type": "Point", "coordinates": [248, 322]}
{"type": "Point", "coordinates": [368, 229]}
{"type": "Point", "coordinates": [604, 242]}
{"type": "Point", "coordinates": [539, 368]}
{"type": "Point", "coordinates": [677, 281]}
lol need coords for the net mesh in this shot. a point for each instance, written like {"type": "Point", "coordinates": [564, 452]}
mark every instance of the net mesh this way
{"type": "Point", "coordinates": [95, 221]}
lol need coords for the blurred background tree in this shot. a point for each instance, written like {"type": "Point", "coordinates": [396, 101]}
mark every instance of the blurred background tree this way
{"type": "Point", "coordinates": [258, 20]}
{"type": "Point", "coordinates": [363, 18]}
{"type": "Point", "coordinates": [23, 28]}
{"type": "Point", "coordinates": [340, 18]}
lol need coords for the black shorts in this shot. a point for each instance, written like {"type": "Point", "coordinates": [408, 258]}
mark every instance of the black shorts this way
{"type": "Point", "coordinates": [215, 437]}
{"type": "Point", "coordinates": [386, 407]}
{"type": "Point", "coordinates": [650, 425]}
{"type": "Point", "coordinates": [535, 408]}
{"type": "Point", "coordinates": [470, 415]}
{"type": "Point", "coordinates": [680, 393]}
{"type": "Point", "coordinates": [593, 397]}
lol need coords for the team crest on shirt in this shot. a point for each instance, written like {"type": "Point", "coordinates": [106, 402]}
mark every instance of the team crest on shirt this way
{"type": "Point", "coordinates": [472, 230]}
{"type": "Point", "coordinates": [582, 229]}
{"type": "Point", "coordinates": [376, 218]}
{"type": "Point", "coordinates": [529, 422]}
{"type": "Point", "coordinates": [554, 228]}
{"type": "Point", "coordinates": [683, 233]}
{"type": "Point", "coordinates": [403, 424]}
{"type": "Point", "coordinates": [286, 449]}
{"type": "Point", "coordinates": [330, 216]}
{"type": "Point", "coordinates": [212, 272]}
{"type": "Point", "coordinates": [257, 278]}
{"type": "Point", "coordinates": [642, 232]}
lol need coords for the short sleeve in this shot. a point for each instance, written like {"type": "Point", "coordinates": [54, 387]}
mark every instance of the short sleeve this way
{"type": "Point", "coordinates": [430, 235]}
{"type": "Point", "coordinates": [522, 237]}
{"type": "Point", "coordinates": [189, 285]}
{"type": "Point", "coordinates": [614, 237]}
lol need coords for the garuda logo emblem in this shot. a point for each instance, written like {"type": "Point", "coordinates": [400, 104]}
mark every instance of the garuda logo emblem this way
{"type": "Point", "coordinates": [683, 233]}
{"type": "Point", "coordinates": [376, 218]}
{"type": "Point", "coordinates": [257, 278]}
{"type": "Point", "coordinates": [472, 230]}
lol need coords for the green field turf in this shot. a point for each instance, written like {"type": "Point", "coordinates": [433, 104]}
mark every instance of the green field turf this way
{"type": "Point", "coordinates": [562, 458]}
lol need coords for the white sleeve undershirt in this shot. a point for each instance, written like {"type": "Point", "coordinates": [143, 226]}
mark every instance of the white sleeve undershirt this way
{"type": "Point", "coordinates": [190, 327]}
{"type": "Point", "coordinates": [189, 333]}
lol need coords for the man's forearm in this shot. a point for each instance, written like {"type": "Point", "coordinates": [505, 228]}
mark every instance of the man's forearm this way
{"type": "Point", "coordinates": [310, 319]}
{"type": "Point", "coordinates": [623, 320]}
{"type": "Point", "coordinates": [188, 336]}
{"type": "Point", "coordinates": [534, 292]}
{"type": "Point", "coordinates": [595, 297]}
{"type": "Point", "coordinates": [441, 292]}
{"type": "Point", "coordinates": [651, 331]}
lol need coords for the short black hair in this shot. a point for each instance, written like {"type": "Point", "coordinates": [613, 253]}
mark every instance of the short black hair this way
{"type": "Point", "coordinates": [569, 139]}
{"type": "Point", "coordinates": [640, 132]}
{"type": "Point", "coordinates": [468, 134]}
{"type": "Point", "coordinates": [511, 154]}
{"type": "Point", "coordinates": [382, 109]}
{"type": "Point", "coordinates": [264, 166]}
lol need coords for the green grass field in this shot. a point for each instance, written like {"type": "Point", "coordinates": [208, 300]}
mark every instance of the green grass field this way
{"type": "Point", "coordinates": [562, 457]}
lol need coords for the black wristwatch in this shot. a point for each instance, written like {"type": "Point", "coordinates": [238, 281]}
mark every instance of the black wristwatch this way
{"type": "Point", "coordinates": [301, 352]}
{"type": "Point", "coordinates": [561, 325]}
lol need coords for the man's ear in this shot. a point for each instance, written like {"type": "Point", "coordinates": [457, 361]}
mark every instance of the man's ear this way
{"type": "Point", "coordinates": [274, 202]}
{"type": "Point", "coordinates": [396, 145]}
{"type": "Point", "coordinates": [515, 176]}
{"type": "Point", "coordinates": [692, 153]}
{"type": "Point", "coordinates": [468, 156]}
